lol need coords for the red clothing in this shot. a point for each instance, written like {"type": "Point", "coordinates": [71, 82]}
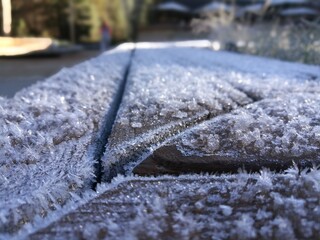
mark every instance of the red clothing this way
{"type": "Point", "coordinates": [105, 28]}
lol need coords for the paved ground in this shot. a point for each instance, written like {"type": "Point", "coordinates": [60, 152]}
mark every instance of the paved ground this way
{"type": "Point", "coordinates": [17, 73]}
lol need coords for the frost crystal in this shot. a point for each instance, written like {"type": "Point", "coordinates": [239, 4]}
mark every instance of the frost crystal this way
{"type": "Point", "coordinates": [168, 90]}
{"type": "Point", "coordinates": [279, 125]}
{"type": "Point", "coordinates": [194, 110]}
{"type": "Point", "coordinates": [197, 207]}
{"type": "Point", "coordinates": [48, 133]}
{"type": "Point", "coordinates": [282, 130]}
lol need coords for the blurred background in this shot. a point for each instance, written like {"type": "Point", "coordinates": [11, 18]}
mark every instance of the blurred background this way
{"type": "Point", "coordinates": [39, 37]}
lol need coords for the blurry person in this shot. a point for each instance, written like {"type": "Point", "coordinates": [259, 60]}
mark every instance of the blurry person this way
{"type": "Point", "coordinates": [105, 36]}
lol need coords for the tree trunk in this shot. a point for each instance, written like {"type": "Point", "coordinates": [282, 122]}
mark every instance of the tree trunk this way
{"type": "Point", "coordinates": [72, 21]}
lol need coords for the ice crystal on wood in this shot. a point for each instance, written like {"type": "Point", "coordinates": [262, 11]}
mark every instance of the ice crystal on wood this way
{"type": "Point", "coordinates": [47, 137]}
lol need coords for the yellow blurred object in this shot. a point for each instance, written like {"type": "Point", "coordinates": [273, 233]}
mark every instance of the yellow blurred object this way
{"type": "Point", "coordinates": [7, 18]}
{"type": "Point", "coordinates": [20, 46]}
